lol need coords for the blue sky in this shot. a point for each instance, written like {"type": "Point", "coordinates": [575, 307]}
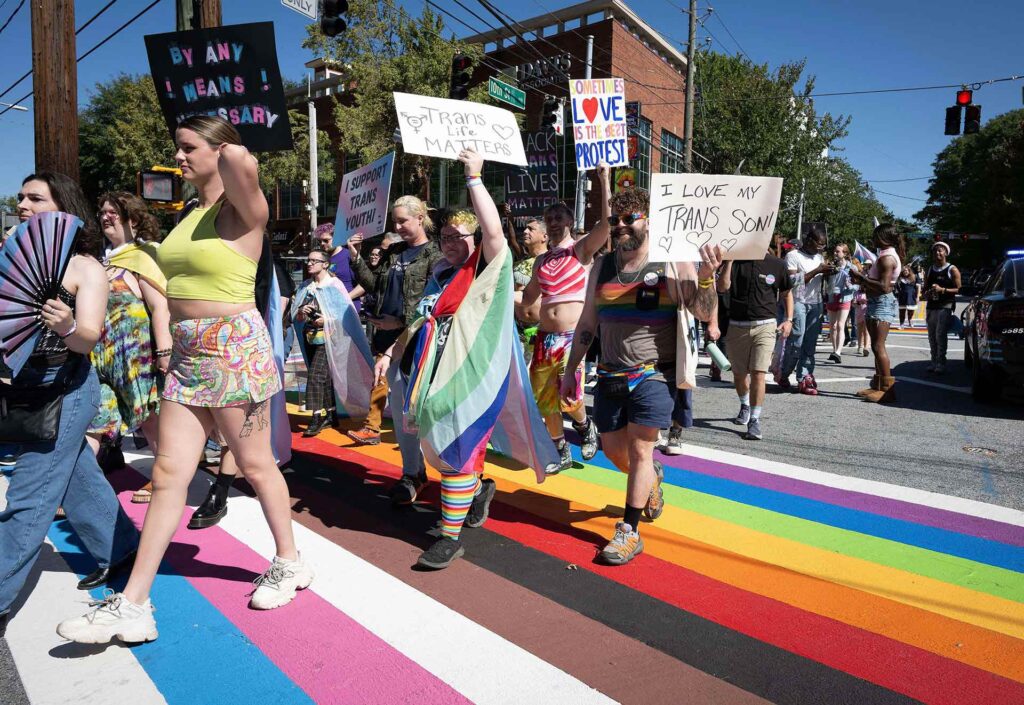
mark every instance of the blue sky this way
{"type": "Point", "coordinates": [849, 47]}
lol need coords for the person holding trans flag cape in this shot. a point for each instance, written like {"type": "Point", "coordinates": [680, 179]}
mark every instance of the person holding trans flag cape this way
{"type": "Point", "coordinates": [462, 368]}
{"type": "Point", "coordinates": [333, 345]}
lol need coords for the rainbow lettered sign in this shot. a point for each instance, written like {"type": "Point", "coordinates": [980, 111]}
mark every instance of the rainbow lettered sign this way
{"type": "Point", "coordinates": [599, 121]}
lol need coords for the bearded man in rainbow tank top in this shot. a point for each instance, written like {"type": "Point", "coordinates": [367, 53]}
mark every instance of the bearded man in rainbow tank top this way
{"type": "Point", "coordinates": [554, 299]}
{"type": "Point", "coordinates": [635, 302]}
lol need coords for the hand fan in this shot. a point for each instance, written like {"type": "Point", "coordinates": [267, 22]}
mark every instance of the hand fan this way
{"type": "Point", "coordinates": [32, 264]}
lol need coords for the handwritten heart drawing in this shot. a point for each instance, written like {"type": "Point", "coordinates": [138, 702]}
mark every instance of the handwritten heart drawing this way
{"type": "Point", "coordinates": [666, 243]}
{"type": "Point", "coordinates": [698, 239]}
{"type": "Point", "coordinates": [503, 131]}
{"type": "Point", "coordinates": [590, 108]}
{"type": "Point", "coordinates": [728, 243]}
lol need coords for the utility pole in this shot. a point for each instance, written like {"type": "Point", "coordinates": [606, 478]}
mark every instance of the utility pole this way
{"type": "Point", "coordinates": [314, 169]}
{"type": "Point", "coordinates": [691, 53]}
{"type": "Point", "coordinates": [581, 176]}
{"type": "Point", "coordinates": [198, 14]}
{"type": "Point", "coordinates": [800, 210]}
{"type": "Point", "coordinates": [55, 86]}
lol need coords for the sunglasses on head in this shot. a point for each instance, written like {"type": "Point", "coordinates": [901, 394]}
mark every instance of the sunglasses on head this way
{"type": "Point", "coordinates": [628, 219]}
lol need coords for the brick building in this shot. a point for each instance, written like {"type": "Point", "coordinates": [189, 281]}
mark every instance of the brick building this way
{"type": "Point", "coordinates": [554, 51]}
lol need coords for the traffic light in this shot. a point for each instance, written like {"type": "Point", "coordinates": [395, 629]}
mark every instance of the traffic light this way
{"type": "Point", "coordinates": [331, 21]}
{"type": "Point", "coordinates": [551, 115]}
{"type": "Point", "coordinates": [972, 119]}
{"type": "Point", "coordinates": [964, 97]}
{"type": "Point", "coordinates": [953, 115]}
{"type": "Point", "coordinates": [459, 87]}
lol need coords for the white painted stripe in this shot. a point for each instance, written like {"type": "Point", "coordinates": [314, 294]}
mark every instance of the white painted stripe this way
{"type": "Point", "coordinates": [937, 385]}
{"type": "Point", "coordinates": [55, 672]}
{"type": "Point", "coordinates": [488, 669]}
{"type": "Point", "coordinates": [826, 380]}
{"type": "Point", "coordinates": [855, 484]}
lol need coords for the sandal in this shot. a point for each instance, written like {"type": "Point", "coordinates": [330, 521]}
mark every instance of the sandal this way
{"type": "Point", "coordinates": [143, 494]}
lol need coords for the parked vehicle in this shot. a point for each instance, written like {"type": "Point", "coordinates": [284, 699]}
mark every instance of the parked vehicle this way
{"type": "Point", "coordinates": [994, 331]}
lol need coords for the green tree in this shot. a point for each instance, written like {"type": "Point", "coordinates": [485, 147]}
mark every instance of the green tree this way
{"type": "Point", "coordinates": [121, 131]}
{"type": "Point", "coordinates": [385, 49]}
{"type": "Point", "coordinates": [978, 185]}
{"type": "Point", "coordinates": [766, 121]}
{"type": "Point", "coordinates": [8, 204]}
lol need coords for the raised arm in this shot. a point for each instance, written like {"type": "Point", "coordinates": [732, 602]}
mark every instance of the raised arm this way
{"type": "Point", "coordinates": [698, 287]}
{"type": "Point", "coordinates": [493, 240]}
{"type": "Point", "coordinates": [590, 244]}
{"type": "Point", "coordinates": [724, 278]}
{"type": "Point", "coordinates": [238, 171]}
{"type": "Point", "coordinates": [510, 231]}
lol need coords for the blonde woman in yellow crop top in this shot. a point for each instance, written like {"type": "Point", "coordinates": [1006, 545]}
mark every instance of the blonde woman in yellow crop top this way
{"type": "Point", "coordinates": [222, 374]}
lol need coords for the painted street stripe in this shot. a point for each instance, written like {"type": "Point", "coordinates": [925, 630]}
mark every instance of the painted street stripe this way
{"type": "Point", "coordinates": [718, 571]}
{"type": "Point", "coordinates": [374, 672]}
{"type": "Point", "coordinates": [415, 624]}
{"type": "Point", "coordinates": [959, 505]}
{"type": "Point", "coordinates": [55, 672]}
{"type": "Point", "coordinates": [241, 672]}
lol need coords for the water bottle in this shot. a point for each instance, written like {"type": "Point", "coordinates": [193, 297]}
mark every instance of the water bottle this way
{"type": "Point", "coordinates": [719, 357]}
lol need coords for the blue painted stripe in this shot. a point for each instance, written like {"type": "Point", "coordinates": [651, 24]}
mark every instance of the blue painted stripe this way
{"type": "Point", "coordinates": [931, 538]}
{"type": "Point", "coordinates": [204, 658]}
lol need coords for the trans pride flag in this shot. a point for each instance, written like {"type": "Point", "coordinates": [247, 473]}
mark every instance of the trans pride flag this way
{"type": "Point", "coordinates": [476, 380]}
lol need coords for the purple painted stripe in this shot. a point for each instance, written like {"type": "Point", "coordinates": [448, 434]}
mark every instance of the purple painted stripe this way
{"type": "Point", "coordinates": [883, 506]}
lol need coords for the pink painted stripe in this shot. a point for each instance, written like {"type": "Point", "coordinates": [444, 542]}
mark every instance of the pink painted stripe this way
{"type": "Point", "coordinates": [330, 656]}
{"type": "Point", "coordinates": [883, 506]}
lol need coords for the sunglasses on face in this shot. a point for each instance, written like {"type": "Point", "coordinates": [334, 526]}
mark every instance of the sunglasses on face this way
{"type": "Point", "coordinates": [628, 219]}
{"type": "Point", "coordinates": [316, 261]}
{"type": "Point", "coordinates": [449, 239]}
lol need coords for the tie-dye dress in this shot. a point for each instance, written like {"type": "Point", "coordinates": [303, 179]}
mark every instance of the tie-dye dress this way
{"type": "Point", "coordinates": [123, 357]}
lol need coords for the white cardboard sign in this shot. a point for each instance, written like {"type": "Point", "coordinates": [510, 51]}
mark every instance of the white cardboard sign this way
{"type": "Point", "coordinates": [363, 200]}
{"type": "Point", "coordinates": [439, 127]}
{"type": "Point", "coordinates": [599, 122]}
{"type": "Point", "coordinates": [738, 213]}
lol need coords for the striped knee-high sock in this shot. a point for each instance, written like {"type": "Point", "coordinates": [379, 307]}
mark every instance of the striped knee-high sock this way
{"type": "Point", "coordinates": [457, 491]}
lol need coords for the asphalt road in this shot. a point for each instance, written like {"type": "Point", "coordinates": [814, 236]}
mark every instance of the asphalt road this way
{"type": "Point", "coordinates": [918, 441]}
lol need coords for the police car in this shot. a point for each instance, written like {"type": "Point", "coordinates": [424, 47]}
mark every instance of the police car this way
{"type": "Point", "coordinates": [994, 331]}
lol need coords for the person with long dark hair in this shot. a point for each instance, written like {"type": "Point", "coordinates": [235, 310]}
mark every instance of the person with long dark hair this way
{"type": "Point", "coordinates": [882, 309]}
{"type": "Point", "coordinates": [63, 471]}
{"type": "Point", "coordinates": [222, 373]}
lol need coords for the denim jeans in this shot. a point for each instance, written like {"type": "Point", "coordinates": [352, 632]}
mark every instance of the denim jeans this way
{"type": "Point", "coordinates": [408, 443]}
{"type": "Point", "coordinates": [803, 341]}
{"type": "Point", "coordinates": [60, 473]}
{"type": "Point", "coordinates": [938, 333]}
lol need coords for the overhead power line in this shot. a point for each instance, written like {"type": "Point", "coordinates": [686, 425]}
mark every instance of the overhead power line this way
{"type": "Point", "coordinates": [110, 36]}
{"type": "Point", "coordinates": [893, 181]}
{"type": "Point", "coordinates": [896, 195]}
{"type": "Point", "coordinates": [9, 19]}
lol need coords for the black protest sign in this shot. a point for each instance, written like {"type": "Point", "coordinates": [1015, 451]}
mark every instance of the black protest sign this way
{"type": "Point", "coordinates": [528, 191]}
{"type": "Point", "coordinates": [228, 71]}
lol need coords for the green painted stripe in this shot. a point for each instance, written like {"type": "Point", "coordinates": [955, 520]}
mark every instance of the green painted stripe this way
{"type": "Point", "coordinates": [966, 573]}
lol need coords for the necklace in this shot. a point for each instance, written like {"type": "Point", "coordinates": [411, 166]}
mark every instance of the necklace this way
{"type": "Point", "coordinates": [636, 275]}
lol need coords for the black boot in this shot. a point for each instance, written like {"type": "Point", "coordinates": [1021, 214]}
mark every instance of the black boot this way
{"type": "Point", "coordinates": [215, 506]}
{"type": "Point", "coordinates": [319, 422]}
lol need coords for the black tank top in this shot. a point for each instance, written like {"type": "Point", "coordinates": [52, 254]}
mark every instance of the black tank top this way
{"type": "Point", "coordinates": [944, 278]}
{"type": "Point", "coordinates": [49, 342]}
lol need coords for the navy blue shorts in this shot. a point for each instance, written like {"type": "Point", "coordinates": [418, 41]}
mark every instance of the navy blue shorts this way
{"type": "Point", "coordinates": [649, 404]}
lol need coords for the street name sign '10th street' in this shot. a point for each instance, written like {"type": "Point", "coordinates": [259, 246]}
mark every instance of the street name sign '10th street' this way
{"type": "Point", "coordinates": [506, 93]}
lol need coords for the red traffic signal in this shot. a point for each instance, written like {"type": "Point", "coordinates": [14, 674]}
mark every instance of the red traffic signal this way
{"type": "Point", "coordinates": [964, 97]}
{"type": "Point", "coordinates": [458, 88]}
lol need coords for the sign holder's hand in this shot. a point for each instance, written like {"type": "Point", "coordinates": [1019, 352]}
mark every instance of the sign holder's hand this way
{"type": "Point", "coordinates": [710, 261]}
{"type": "Point", "coordinates": [473, 161]}
{"type": "Point", "coordinates": [355, 242]}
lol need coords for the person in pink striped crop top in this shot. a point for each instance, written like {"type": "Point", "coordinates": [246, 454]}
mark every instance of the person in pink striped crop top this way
{"type": "Point", "coordinates": [554, 299]}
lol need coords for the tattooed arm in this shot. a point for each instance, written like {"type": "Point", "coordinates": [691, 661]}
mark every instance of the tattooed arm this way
{"type": "Point", "coordinates": [701, 301]}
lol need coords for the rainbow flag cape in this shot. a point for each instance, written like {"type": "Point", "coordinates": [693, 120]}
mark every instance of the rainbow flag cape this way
{"type": "Point", "coordinates": [476, 382]}
{"type": "Point", "coordinates": [348, 351]}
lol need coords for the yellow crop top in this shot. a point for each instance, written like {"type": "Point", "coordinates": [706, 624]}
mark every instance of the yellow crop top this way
{"type": "Point", "coordinates": [199, 265]}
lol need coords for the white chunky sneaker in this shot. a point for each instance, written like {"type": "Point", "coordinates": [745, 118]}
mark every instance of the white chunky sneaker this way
{"type": "Point", "coordinates": [277, 586]}
{"type": "Point", "coordinates": [113, 616]}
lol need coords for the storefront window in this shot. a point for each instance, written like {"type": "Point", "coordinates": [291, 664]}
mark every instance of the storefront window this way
{"type": "Point", "coordinates": [643, 160]}
{"type": "Point", "coordinates": [671, 153]}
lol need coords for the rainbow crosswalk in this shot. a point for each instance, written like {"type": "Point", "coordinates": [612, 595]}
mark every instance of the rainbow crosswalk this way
{"type": "Point", "coordinates": [761, 582]}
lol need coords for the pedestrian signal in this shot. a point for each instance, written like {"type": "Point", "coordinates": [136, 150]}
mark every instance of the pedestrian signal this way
{"type": "Point", "coordinates": [972, 119]}
{"type": "Point", "coordinates": [331, 21]}
{"type": "Point", "coordinates": [459, 87]}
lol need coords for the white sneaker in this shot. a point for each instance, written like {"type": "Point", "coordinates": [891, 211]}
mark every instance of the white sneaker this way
{"type": "Point", "coordinates": [277, 586]}
{"type": "Point", "coordinates": [113, 616]}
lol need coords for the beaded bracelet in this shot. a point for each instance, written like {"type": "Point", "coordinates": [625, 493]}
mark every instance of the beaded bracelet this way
{"type": "Point", "coordinates": [163, 353]}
